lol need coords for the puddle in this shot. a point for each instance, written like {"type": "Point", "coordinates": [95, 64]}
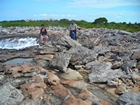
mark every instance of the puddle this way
{"type": "Point", "coordinates": [18, 61]}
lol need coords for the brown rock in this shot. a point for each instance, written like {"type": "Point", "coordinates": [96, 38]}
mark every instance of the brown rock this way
{"type": "Point", "coordinates": [120, 89]}
{"type": "Point", "coordinates": [34, 82]}
{"type": "Point", "coordinates": [86, 95]}
{"type": "Point", "coordinates": [104, 102]}
{"type": "Point", "coordinates": [52, 79]}
{"type": "Point", "coordinates": [135, 89]}
{"type": "Point", "coordinates": [71, 75]}
{"type": "Point", "coordinates": [138, 65]}
{"type": "Point", "coordinates": [44, 56]}
{"type": "Point", "coordinates": [73, 101]}
{"type": "Point", "coordinates": [34, 92]}
{"type": "Point", "coordinates": [60, 90]}
{"type": "Point", "coordinates": [75, 84]}
{"type": "Point", "coordinates": [17, 70]}
{"type": "Point", "coordinates": [136, 55]}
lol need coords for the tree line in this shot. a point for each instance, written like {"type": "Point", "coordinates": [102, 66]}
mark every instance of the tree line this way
{"type": "Point", "coordinates": [101, 22]}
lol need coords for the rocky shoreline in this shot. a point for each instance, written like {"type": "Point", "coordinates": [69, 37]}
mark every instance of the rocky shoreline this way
{"type": "Point", "coordinates": [101, 68]}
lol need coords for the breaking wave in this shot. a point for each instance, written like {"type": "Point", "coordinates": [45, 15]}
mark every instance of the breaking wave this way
{"type": "Point", "coordinates": [18, 43]}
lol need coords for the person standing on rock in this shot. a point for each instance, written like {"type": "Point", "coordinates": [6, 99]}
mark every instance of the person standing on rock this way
{"type": "Point", "coordinates": [73, 30]}
{"type": "Point", "coordinates": [43, 33]}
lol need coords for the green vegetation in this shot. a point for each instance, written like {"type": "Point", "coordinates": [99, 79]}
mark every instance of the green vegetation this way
{"type": "Point", "coordinates": [98, 23]}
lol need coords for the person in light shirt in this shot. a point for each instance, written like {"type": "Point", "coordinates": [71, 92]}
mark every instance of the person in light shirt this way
{"type": "Point", "coordinates": [73, 30]}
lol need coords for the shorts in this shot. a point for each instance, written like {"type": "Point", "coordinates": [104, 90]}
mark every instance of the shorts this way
{"type": "Point", "coordinates": [44, 36]}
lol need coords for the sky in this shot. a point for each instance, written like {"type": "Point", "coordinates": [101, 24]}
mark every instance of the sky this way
{"type": "Point", "coordinates": [88, 10]}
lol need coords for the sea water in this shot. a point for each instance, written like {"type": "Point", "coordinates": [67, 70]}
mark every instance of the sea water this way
{"type": "Point", "coordinates": [18, 43]}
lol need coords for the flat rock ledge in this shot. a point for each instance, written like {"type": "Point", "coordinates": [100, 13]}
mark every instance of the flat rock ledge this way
{"type": "Point", "coordinates": [101, 68]}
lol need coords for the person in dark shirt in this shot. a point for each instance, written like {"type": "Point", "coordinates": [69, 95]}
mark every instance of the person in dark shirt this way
{"type": "Point", "coordinates": [43, 33]}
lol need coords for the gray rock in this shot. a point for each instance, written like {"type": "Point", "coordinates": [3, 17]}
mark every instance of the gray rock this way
{"type": "Point", "coordinates": [101, 49]}
{"type": "Point", "coordinates": [113, 83]}
{"type": "Point", "coordinates": [81, 55]}
{"type": "Point", "coordinates": [127, 65]}
{"type": "Point", "coordinates": [34, 102]}
{"type": "Point", "coordinates": [10, 95]}
{"type": "Point", "coordinates": [68, 42]}
{"type": "Point", "coordinates": [125, 54]}
{"type": "Point", "coordinates": [88, 66]}
{"type": "Point", "coordinates": [46, 48]}
{"type": "Point", "coordinates": [4, 31]}
{"type": "Point", "coordinates": [124, 32]}
{"type": "Point", "coordinates": [42, 62]}
{"type": "Point", "coordinates": [1, 77]}
{"type": "Point", "coordinates": [116, 64]}
{"type": "Point", "coordinates": [129, 98]}
{"type": "Point", "coordinates": [102, 72]}
{"type": "Point", "coordinates": [60, 61]}
{"type": "Point", "coordinates": [113, 41]}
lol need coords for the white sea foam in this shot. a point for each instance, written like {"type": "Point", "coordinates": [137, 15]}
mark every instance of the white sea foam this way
{"type": "Point", "coordinates": [18, 43]}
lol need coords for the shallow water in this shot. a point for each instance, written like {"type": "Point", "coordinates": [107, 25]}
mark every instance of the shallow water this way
{"type": "Point", "coordinates": [18, 61]}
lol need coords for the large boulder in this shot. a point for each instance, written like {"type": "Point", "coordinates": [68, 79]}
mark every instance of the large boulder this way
{"type": "Point", "coordinates": [102, 72]}
{"type": "Point", "coordinates": [60, 61]}
{"type": "Point", "coordinates": [81, 55]}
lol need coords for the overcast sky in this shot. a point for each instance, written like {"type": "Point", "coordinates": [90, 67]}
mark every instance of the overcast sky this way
{"type": "Point", "coordinates": [88, 10]}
